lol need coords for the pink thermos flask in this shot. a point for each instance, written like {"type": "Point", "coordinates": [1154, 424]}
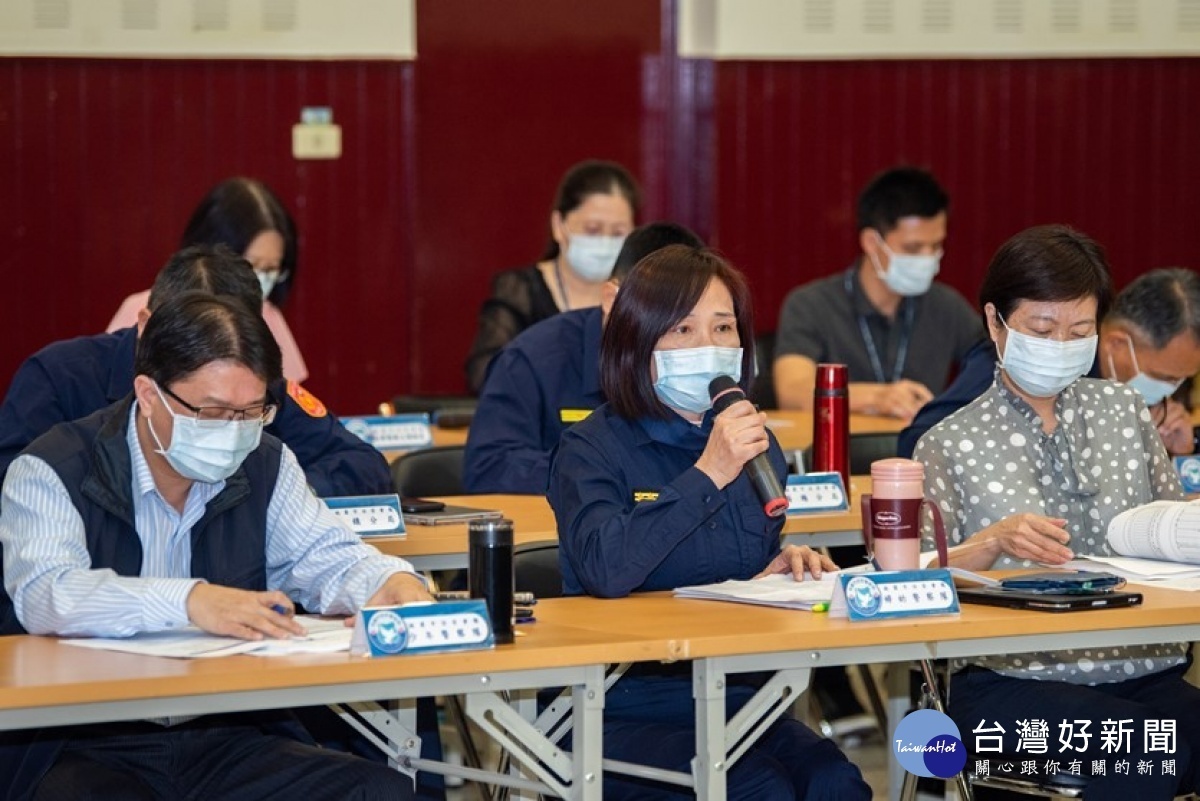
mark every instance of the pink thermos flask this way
{"type": "Point", "coordinates": [892, 515]}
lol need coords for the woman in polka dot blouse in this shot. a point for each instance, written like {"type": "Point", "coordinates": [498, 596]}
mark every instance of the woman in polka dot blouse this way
{"type": "Point", "coordinates": [1030, 474]}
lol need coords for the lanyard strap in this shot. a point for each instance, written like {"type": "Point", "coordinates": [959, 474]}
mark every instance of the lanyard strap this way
{"type": "Point", "coordinates": [869, 341]}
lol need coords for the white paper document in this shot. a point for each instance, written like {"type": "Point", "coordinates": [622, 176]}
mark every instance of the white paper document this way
{"type": "Point", "coordinates": [1163, 530]}
{"type": "Point", "coordinates": [778, 589]}
{"type": "Point", "coordinates": [192, 643]}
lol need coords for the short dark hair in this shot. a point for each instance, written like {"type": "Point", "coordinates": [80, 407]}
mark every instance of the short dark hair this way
{"type": "Point", "coordinates": [663, 289]}
{"type": "Point", "coordinates": [197, 328]}
{"type": "Point", "coordinates": [216, 270]}
{"type": "Point", "coordinates": [646, 239]}
{"type": "Point", "coordinates": [1048, 263]}
{"type": "Point", "coordinates": [897, 193]}
{"type": "Point", "coordinates": [589, 178]}
{"type": "Point", "coordinates": [236, 211]}
{"type": "Point", "coordinates": [1161, 304]}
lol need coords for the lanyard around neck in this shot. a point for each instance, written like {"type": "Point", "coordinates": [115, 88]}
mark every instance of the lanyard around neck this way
{"type": "Point", "coordinates": [869, 341]}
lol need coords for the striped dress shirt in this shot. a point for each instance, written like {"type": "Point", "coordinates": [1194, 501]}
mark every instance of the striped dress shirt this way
{"type": "Point", "coordinates": [311, 556]}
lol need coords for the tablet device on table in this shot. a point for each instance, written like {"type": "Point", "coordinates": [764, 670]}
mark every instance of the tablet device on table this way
{"type": "Point", "coordinates": [451, 514]}
{"type": "Point", "coordinates": [1048, 601]}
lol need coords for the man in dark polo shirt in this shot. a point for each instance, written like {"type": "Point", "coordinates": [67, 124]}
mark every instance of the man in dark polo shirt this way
{"type": "Point", "coordinates": [898, 331]}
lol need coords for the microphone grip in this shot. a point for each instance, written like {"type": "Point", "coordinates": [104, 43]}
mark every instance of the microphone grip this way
{"type": "Point", "coordinates": [725, 392]}
{"type": "Point", "coordinates": [767, 485]}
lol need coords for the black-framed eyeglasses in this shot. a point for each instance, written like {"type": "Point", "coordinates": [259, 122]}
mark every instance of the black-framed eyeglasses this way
{"type": "Point", "coordinates": [220, 415]}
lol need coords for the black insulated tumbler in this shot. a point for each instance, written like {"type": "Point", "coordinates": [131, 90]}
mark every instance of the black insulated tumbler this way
{"type": "Point", "coordinates": [490, 572]}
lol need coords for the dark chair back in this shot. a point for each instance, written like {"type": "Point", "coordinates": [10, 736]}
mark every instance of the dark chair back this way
{"type": "Point", "coordinates": [867, 448]}
{"type": "Point", "coordinates": [447, 411]}
{"type": "Point", "coordinates": [535, 566]}
{"type": "Point", "coordinates": [432, 471]}
{"type": "Point", "coordinates": [762, 389]}
{"type": "Point", "coordinates": [864, 449]}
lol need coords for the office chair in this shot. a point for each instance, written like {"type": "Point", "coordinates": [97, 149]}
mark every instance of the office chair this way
{"type": "Point", "coordinates": [447, 411]}
{"type": "Point", "coordinates": [432, 471]}
{"type": "Point", "coordinates": [1062, 785]}
{"type": "Point", "coordinates": [864, 449]}
{"type": "Point", "coordinates": [762, 389]}
{"type": "Point", "coordinates": [535, 567]}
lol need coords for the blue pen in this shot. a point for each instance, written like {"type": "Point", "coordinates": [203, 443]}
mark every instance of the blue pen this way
{"type": "Point", "coordinates": [281, 609]}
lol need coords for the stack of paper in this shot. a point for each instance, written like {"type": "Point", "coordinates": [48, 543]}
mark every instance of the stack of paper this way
{"type": "Point", "coordinates": [192, 643]}
{"type": "Point", "coordinates": [1152, 572]}
{"type": "Point", "coordinates": [779, 589]}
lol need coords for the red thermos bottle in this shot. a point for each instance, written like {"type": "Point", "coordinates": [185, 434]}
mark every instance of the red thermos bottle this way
{"type": "Point", "coordinates": [831, 422]}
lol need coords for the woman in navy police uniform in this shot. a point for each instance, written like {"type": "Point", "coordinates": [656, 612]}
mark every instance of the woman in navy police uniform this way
{"type": "Point", "coordinates": [649, 494]}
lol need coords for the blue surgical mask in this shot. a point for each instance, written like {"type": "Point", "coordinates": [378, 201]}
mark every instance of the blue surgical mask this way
{"type": "Point", "coordinates": [204, 451]}
{"type": "Point", "coordinates": [907, 274]}
{"type": "Point", "coordinates": [1154, 390]}
{"type": "Point", "coordinates": [685, 373]}
{"type": "Point", "coordinates": [593, 257]}
{"type": "Point", "coordinates": [1045, 367]}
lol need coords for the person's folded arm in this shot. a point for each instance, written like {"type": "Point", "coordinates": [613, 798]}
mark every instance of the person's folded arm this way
{"type": "Point", "coordinates": [504, 446]}
{"type": "Point", "coordinates": [30, 409]}
{"type": "Point", "coordinates": [612, 543]}
{"type": "Point", "coordinates": [335, 461]}
{"type": "Point", "coordinates": [313, 557]}
{"type": "Point", "coordinates": [48, 570]}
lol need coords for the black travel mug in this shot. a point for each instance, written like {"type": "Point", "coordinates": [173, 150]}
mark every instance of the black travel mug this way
{"type": "Point", "coordinates": [490, 572]}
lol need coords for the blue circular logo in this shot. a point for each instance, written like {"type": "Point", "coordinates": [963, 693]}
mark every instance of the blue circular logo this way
{"type": "Point", "coordinates": [928, 743]}
{"type": "Point", "coordinates": [1189, 469]}
{"type": "Point", "coordinates": [863, 596]}
{"type": "Point", "coordinates": [387, 632]}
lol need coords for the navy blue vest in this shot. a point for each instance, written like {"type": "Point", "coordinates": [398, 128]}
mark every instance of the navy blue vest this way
{"type": "Point", "coordinates": [91, 456]}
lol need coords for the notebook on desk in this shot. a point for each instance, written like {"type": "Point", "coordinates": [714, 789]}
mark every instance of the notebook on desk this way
{"type": "Point", "coordinates": [451, 514]}
{"type": "Point", "coordinates": [1048, 601]}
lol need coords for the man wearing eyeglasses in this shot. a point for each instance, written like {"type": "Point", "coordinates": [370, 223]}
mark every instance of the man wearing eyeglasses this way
{"type": "Point", "coordinates": [172, 507]}
{"type": "Point", "coordinates": [73, 378]}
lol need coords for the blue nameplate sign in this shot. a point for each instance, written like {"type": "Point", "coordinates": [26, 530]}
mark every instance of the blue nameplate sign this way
{"type": "Point", "coordinates": [894, 593]}
{"type": "Point", "coordinates": [816, 492]}
{"type": "Point", "coordinates": [1188, 468]}
{"type": "Point", "coordinates": [368, 515]}
{"type": "Point", "coordinates": [422, 628]}
{"type": "Point", "coordinates": [398, 432]}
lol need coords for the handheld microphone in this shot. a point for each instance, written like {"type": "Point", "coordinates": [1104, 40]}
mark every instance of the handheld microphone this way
{"type": "Point", "coordinates": [725, 392]}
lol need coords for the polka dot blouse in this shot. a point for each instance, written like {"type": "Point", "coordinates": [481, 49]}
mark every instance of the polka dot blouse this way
{"type": "Point", "coordinates": [992, 459]}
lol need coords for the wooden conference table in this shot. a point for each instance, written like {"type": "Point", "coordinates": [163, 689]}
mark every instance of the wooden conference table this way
{"type": "Point", "coordinates": [724, 638]}
{"type": "Point", "coordinates": [793, 429]}
{"type": "Point", "coordinates": [43, 683]}
{"type": "Point", "coordinates": [445, 547]}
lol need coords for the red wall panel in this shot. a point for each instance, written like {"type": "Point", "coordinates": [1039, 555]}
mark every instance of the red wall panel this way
{"type": "Point", "coordinates": [1107, 146]}
{"type": "Point", "coordinates": [508, 97]}
{"type": "Point", "coordinates": [103, 161]}
{"type": "Point", "coordinates": [450, 163]}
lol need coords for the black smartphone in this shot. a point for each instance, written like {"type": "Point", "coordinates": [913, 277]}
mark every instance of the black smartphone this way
{"type": "Point", "coordinates": [414, 506]}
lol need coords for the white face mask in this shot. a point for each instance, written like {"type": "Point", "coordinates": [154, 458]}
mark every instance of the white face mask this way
{"type": "Point", "coordinates": [1043, 368]}
{"type": "Point", "coordinates": [593, 257]}
{"type": "Point", "coordinates": [1154, 390]}
{"type": "Point", "coordinates": [685, 373]}
{"type": "Point", "coordinates": [267, 281]}
{"type": "Point", "coordinates": [907, 275]}
{"type": "Point", "coordinates": [207, 453]}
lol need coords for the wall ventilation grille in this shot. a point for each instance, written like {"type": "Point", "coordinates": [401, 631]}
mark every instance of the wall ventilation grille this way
{"type": "Point", "coordinates": [304, 29]}
{"type": "Point", "coordinates": [821, 29]}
